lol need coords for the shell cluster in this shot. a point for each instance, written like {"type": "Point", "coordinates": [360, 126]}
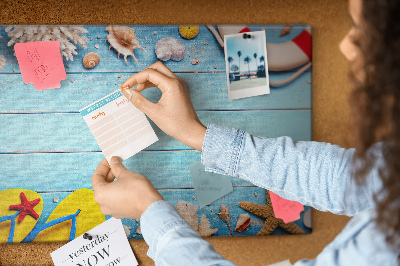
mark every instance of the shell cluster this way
{"type": "Point", "coordinates": [123, 39]}
{"type": "Point", "coordinates": [170, 48]}
{"type": "Point", "coordinates": [68, 36]}
{"type": "Point", "coordinates": [91, 60]}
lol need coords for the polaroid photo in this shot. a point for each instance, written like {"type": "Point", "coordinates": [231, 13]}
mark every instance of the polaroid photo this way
{"type": "Point", "coordinates": [246, 64]}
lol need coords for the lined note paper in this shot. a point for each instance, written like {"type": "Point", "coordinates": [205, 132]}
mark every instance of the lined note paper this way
{"type": "Point", "coordinates": [41, 64]}
{"type": "Point", "coordinates": [118, 126]}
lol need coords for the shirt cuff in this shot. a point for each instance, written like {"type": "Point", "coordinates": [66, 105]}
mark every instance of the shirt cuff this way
{"type": "Point", "coordinates": [221, 149]}
{"type": "Point", "coordinates": [159, 218]}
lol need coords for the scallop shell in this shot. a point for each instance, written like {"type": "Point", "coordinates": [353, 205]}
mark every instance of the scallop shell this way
{"type": "Point", "coordinates": [188, 31]}
{"type": "Point", "coordinates": [243, 219]}
{"type": "Point", "coordinates": [170, 48]}
{"type": "Point", "coordinates": [123, 39]}
{"type": "Point", "coordinates": [3, 62]}
{"type": "Point", "coordinates": [91, 60]}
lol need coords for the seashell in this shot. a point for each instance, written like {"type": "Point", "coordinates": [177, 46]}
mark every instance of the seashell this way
{"type": "Point", "coordinates": [3, 62]}
{"type": "Point", "coordinates": [243, 221]}
{"type": "Point", "coordinates": [188, 31]}
{"type": "Point", "coordinates": [123, 39]}
{"type": "Point", "coordinates": [91, 60]}
{"type": "Point", "coordinates": [224, 215]}
{"type": "Point", "coordinates": [285, 30]}
{"type": "Point", "coordinates": [170, 48]}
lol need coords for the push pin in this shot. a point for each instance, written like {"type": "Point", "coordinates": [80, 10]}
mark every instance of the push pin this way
{"type": "Point", "coordinates": [88, 236]}
{"type": "Point", "coordinates": [246, 36]}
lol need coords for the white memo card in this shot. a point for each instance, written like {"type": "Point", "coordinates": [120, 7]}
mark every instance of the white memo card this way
{"type": "Point", "coordinates": [108, 246]}
{"type": "Point", "coordinates": [118, 126]}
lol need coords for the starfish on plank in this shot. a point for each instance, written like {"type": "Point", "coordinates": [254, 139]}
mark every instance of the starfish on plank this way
{"type": "Point", "coordinates": [271, 223]}
{"type": "Point", "coordinates": [26, 207]}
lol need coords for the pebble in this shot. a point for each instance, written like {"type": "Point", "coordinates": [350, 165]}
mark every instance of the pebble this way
{"type": "Point", "coordinates": [206, 43]}
{"type": "Point", "coordinates": [155, 32]}
{"type": "Point", "coordinates": [56, 199]}
{"type": "Point", "coordinates": [98, 37]}
{"type": "Point", "coordinates": [255, 194]}
{"type": "Point", "coordinates": [215, 66]}
{"type": "Point", "coordinates": [72, 80]}
{"type": "Point", "coordinates": [193, 197]}
{"type": "Point", "coordinates": [91, 39]}
{"type": "Point", "coordinates": [119, 76]}
{"type": "Point", "coordinates": [13, 69]}
{"type": "Point", "coordinates": [97, 46]}
{"type": "Point", "coordinates": [195, 61]}
{"type": "Point", "coordinates": [67, 65]}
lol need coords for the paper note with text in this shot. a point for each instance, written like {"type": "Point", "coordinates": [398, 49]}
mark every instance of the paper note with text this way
{"type": "Point", "coordinates": [118, 126]}
{"type": "Point", "coordinates": [108, 246]}
{"type": "Point", "coordinates": [41, 64]}
{"type": "Point", "coordinates": [209, 186]}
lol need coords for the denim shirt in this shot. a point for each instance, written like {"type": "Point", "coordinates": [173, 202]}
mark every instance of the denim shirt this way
{"type": "Point", "coordinates": [312, 173]}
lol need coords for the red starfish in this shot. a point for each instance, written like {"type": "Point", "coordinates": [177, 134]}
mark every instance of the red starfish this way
{"type": "Point", "coordinates": [26, 207]}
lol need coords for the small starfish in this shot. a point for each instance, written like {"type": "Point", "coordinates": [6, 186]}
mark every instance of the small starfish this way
{"type": "Point", "coordinates": [26, 207]}
{"type": "Point", "coordinates": [271, 223]}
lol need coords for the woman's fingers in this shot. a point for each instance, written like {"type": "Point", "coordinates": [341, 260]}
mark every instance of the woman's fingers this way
{"type": "Point", "coordinates": [160, 67]}
{"type": "Point", "coordinates": [159, 80]}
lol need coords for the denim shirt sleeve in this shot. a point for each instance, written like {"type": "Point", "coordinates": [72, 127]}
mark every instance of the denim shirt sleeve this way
{"type": "Point", "coordinates": [312, 173]}
{"type": "Point", "coordinates": [172, 241]}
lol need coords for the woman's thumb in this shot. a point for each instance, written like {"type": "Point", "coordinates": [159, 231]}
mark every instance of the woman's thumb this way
{"type": "Point", "coordinates": [117, 167]}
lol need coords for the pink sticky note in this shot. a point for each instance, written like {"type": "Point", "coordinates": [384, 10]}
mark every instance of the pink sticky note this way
{"type": "Point", "coordinates": [287, 210]}
{"type": "Point", "coordinates": [41, 64]}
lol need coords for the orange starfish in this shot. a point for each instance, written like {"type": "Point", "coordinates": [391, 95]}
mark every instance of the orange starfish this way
{"type": "Point", "coordinates": [26, 207]}
{"type": "Point", "coordinates": [271, 223]}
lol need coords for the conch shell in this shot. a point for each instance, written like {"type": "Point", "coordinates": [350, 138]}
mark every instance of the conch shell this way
{"type": "Point", "coordinates": [123, 39]}
{"type": "Point", "coordinates": [170, 48]}
{"type": "Point", "coordinates": [91, 60]}
{"type": "Point", "coordinates": [243, 221]}
{"type": "Point", "coordinates": [3, 62]}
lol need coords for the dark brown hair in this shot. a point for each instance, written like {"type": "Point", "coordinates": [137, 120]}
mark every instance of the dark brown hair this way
{"type": "Point", "coordinates": [375, 103]}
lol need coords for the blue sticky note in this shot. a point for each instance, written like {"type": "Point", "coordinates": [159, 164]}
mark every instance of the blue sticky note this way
{"type": "Point", "coordinates": [209, 186]}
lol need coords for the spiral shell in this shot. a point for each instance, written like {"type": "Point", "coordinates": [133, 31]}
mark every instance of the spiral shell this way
{"type": "Point", "coordinates": [188, 31]}
{"type": "Point", "coordinates": [123, 39]}
{"type": "Point", "coordinates": [91, 60]}
{"type": "Point", "coordinates": [3, 62]}
{"type": "Point", "coordinates": [170, 48]}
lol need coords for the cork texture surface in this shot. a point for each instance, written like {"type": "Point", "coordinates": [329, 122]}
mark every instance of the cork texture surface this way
{"type": "Point", "coordinates": [330, 22]}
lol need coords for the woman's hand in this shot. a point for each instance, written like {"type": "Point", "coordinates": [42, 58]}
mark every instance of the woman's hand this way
{"type": "Point", "coordinates": [173, 113]}
{"type": "Point", "coordinates": [128, 197]}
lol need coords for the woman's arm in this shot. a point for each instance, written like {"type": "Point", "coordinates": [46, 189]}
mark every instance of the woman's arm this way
{"type": "Point", "coordinates": [172, 241]}
{"type": "Point", "coordinates": [125, 194]}
{"type": "Point", "coordinates": [312, 173]}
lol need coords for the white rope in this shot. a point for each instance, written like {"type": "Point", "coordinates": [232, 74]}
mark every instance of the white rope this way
{"type": "Point", "coordinates": [272, 83]}
{"type": "Point", "coordinates": [291, 78]}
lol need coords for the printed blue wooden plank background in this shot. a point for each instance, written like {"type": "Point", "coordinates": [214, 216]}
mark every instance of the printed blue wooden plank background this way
{"type": "Point", "coordinates": [46, 146]}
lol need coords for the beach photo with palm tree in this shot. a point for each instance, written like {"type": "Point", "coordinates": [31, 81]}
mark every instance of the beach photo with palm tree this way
{"type": "Point", "coordinates": [245, 63]}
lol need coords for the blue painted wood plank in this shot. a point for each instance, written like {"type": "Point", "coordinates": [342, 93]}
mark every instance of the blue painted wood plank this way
{"type": "Point", "coordinates": [204, 47]}
{"type": "Point", "coordinates": [173, 195]}
{"type": "Point", "coordinates": [207, 91]}
{"type": "Point", "coordinates": [55, 132]}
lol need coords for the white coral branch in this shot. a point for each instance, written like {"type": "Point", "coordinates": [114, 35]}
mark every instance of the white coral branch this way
{"type": "Point", "coordinates": [68, 36]}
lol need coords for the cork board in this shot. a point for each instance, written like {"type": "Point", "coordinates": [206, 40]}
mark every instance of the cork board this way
{"type": "Point", "coordinates": [330, 22]}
